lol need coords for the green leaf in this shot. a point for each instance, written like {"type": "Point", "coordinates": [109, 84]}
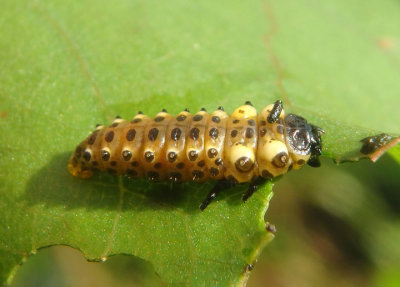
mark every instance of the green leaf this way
{"type": "Point", "coordinates": [67, 66]}
{"type": "Point", "coordinates": [395, 153]}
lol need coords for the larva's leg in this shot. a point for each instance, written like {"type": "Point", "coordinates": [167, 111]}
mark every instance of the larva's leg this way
{"type": "Point", "coordinates": [221, 185]}
{"type": "Point", "coordinates": [253, 187]}
{"type": "Point", "coordinates": [275, 112]}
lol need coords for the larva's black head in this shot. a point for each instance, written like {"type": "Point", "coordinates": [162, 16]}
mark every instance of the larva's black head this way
{"type": "Point", "coordinates": [304, 138]}
{"type": "Point", "coordinates": [316, 146]}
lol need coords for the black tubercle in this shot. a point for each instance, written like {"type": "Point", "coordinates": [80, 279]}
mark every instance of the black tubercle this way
{"type": "Point", "coordinates": [275, 112]}
{"type": "Point", "coordinates": [221, 108]}
{"type": "Point", "coordinates": [187, 110]}
{"type": "Point", "coordinates": [164, 111]}
{"type": "Point", "coordinates": [140, 113]}
{"type": "Point", "coordinates": [203, 109]}
{"type": "Point", "coordinates": [248, 103]}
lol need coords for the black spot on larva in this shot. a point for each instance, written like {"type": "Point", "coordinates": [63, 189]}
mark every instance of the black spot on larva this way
{"type": "Point", "coordinates": [127, 155]}
{"type": "Point", "coordinates": [197, 118]}
{"type": "Point", "coordinates": [194, 133]}
{"type": "Point", "coordinates": [111, 170]}
{"type": "Point", "coordinates": [186, 110]}
{"type": "Point", "coordinates": [135, 163]}
{"type": "Point", "coordinates": [244, 164]}
{"type": "Point", "coordinates": [105, 155]}
{"type": "Point", "coordinates": [266, 174]}
{"type": "Point", "coordinates": [232, 179]}
{"type": "Point", "coordinates": [263, 123]}
{"type": "Point", "coordinates": [301, 162]}
{"type": "Point", "coordinates": [92, 138]}
{"type": "Point", "coordinates": [236, 121]}
{"type": "Point", "coordinates": [95, 163]}
{"type": "Point", "coordinates": [249, 133]}
{"type": "Point", "coordinates": [180, 165]}
{"type": "Point", "coordinates": [176, 134]}
{"type": "Point", "coordinates": [131, 173]}
{"type": "Point", "coordinates": [213, 133]}
{"type": "Point", "coordinates": [172, 156]}
{"type": "Point", "coordinates": [153, 133]}
{"type": "Point", "coordinates": [157, 165]}
{"type": "Point", "coordinates": [193, 155]}
{"type": "Point", "coordinates": [137, 120]}
{"type": "Point", "coordinates": [87, 155]}
{"type": "Point", "coordinates": [218, 161]}
{"type": "Point", "coordinates": [212, 152]}
{"type": "Point", "coordinates": [181, 118]}
{"type": "Point", "coordinates": [109, 136]}
{"type": "Point", "coordinates": [149, 156]}
{"type": "Point", "coordinates": [290, 167]}
{"type": "Point", "coordinates": [113, 163]}
{"type": "Point", "coordinates": [197, 174]}
{"type": "Point", "coordinates": [114, 125]}
{"type": "Point", "coordinates": [159, 119]}
{"type": "Point", "coordinates": [234, 133]}
{"type": "Point", "coordinates": [251, 123]}
{"type": "Point", "coordinates": [201, 163]}
{"type": "Point", "coordinates": [175, 176]}
{"type": "Point", "coordinates": [263, 132]}
{"type": "Point", "coordinates": [214, 171]}
{"type": "Point", "coordinates": [152, 175]}
{"type": "Point", "coordinates": [130, 135]}
{"type": "Point", "coordinates": [140, 113]}
{"type": "Point", "coordinates": [203, 109]}
{"type": "Point", "coordinates": [117, 117]}
{"type": "Point", "coordinates": [164, 110]}
{"type": "Point", "coordinates": [78, 151]}
{"type": "Point", "coordinates": [248, 103]}
{"type": "Point", "coordinates": [98, 125]}
{"type": "Point", "coordinates": [216, 119]}
{"type": "Point", "coordinates": [249, 267]}
{"type": "Point", "coordinates": [279, 129]}
{"type": "Point", "coordinates": [280, 160]}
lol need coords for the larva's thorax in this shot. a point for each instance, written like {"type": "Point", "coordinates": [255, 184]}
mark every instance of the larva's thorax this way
{"type": "Point", "coordinates": [240, 147]}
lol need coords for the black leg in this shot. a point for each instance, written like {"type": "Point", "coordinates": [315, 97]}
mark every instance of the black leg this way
{"type": "Point", "coordinates": [253, 187]}
{"type": "Point", "coordinates": [275, 112]}
{"type": "Point", "coordinates": [221, 185]}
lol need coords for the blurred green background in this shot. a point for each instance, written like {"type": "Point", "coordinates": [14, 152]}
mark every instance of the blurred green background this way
{"type": "Point", "coordinates": [336, 226]}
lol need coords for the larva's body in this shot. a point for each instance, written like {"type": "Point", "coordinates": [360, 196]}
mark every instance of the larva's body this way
{"type": "Point", "coordinates": [239, 148]}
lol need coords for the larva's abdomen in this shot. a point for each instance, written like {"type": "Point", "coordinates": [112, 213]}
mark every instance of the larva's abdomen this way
{"type": "Point", "coordinates": [186, 147]}
{"type": "Point", "coordinates": [240, 147]}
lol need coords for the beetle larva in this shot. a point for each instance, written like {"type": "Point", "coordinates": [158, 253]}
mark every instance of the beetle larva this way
{"type": "Point", "coordinates": [242, 147]}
